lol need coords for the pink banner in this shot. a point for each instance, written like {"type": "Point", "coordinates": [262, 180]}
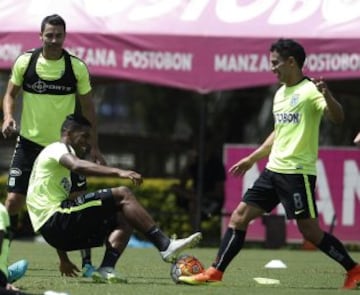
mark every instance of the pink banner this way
{"type": "Point", "coordinates": [198, 45]}
{"type": "Point", "coordinates": [337, 192]}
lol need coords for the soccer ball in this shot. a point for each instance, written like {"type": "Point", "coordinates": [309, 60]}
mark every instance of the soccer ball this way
{"type": "Point", "coordinates": [185, 265]}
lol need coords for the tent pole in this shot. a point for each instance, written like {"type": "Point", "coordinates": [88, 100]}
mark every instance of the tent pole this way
{"type": "Point", "coordinates": [201, 152]}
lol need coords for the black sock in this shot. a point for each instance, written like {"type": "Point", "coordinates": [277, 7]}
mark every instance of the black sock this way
{"type": "Point", "coordinates": [111, 256]}
{"type": "Point", "coordinates": [333, 248]}
{"type": "Point", "coordinates": [230, 246]}
{"type": "Point", "coordinates": [85, 256]}
{"type": "Point", "coordinates": [158, 238]}
{"type": "Point", "coordinates": [14, 223]}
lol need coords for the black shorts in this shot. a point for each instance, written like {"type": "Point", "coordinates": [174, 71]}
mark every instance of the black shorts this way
{"type": "Point", "coordinates": [3, 280]}
{"type": "Point", "coordinates": [296, 192]}
{"type": "Point", "coordinates": [21, 165]}
{"type": "Point", "coordinates": [84, 222]}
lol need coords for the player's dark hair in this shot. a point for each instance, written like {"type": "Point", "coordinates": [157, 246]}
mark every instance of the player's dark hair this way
{"type": "Point", "coordinates": [289, 47]}
{"type": "Point", "coordinates": [74, 122]}
{"type": "Point", "coordinates": [55, 20]}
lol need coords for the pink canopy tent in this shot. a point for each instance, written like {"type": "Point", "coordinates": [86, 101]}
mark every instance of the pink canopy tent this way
{"type": "Point", "coordinates": [200, 45]}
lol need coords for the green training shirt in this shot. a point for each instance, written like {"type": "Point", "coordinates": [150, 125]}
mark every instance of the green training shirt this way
{"type": "Point", "coordinates": [49, 184]}
{"type": "Point", "coordinates": [43, 114]}
{"type": "Point", "coordinates": [297, 114]}
{"type": "Point", "coordinates": [4, 227]}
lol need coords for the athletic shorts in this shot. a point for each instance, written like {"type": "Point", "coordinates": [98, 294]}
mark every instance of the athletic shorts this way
{"type": "Point", "coordinates": [296, 192]}
{"type": "Point", "coordinates": [21, 165]}
{"type": "Point", "coordinates": [82, 223]}
{"type": "Point", "coordinates": [3, 280]}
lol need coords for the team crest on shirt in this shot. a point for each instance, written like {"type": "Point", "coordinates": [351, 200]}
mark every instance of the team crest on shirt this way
{"type": "Point", "coordinates": [65, 183]}
{"type": "Point", "coordinates": [294, 99]}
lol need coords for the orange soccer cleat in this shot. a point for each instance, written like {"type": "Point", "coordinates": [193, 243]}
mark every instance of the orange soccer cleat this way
{"type": "Point", "coordinates": [352, 280]}
{"type": "Point", "coordinates": [211, 276]}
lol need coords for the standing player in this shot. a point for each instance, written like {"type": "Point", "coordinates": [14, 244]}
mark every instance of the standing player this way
{"type": "Point", "coordinates": [92, 219]}
{"type": "Point", "coordinates": [290, 174]}
{"type": "Point", "coordinates": [54, 84]}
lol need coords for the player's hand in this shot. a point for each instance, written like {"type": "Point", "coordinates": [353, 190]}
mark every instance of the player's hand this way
{"type": "Point", "coordinates": [241, 167]}
{"type": "Point", "coordinates": [11, 287]}
{"type": "Point", "coordinates": [135, 177]}
{"type": "Point", "coordinates": [321, 85]}
{"type": "Point", "coordinates": [8, 127]}
{"type": "Point", "coordinates": [68, 269]}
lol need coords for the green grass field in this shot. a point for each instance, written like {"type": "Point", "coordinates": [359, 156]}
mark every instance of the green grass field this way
{"type": "Point", "coordinates": [307, 272]}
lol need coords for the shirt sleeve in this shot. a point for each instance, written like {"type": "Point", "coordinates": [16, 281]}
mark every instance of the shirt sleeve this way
{"type": "Point", "coordinates": [18, 69]}
{"type": "Point", "coordinates": [82, 76]}
{"type": "Point", "coordinates": [317, 99]}
{"type": "Point", "coordinates": [57, 150]}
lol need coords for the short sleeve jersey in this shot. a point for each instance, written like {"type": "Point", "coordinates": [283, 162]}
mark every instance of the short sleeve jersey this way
{"type": "Point", "coordinates": [4, 227]}
{"type": "Point", "coordinates": [49, 184]}
{"type": "Point", "coordinates": [297, 114]}
{"type": "Point", "coordinates": [43, 114]}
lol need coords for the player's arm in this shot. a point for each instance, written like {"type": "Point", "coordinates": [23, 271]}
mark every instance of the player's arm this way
{"type": "Point", "coordinates": [9, 124]}
{"type": "Point", "coordinates": [261, 152]}
{"type": "Point", "coordinates": [88, 168]}
{"type": "Point", "coordinates": [88, 110]}
{"type": "Point", "coordinates": [334, 110]}
{"type": "Point", "coordinates": [66, 267]}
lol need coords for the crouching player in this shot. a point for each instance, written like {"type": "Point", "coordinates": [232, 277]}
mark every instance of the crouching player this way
{"type": "Point", "coordinates": [93, 219]}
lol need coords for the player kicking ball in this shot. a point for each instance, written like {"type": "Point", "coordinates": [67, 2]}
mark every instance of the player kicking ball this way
{"type": "Point", "coordinates": [92, 219]}
{"type": "Point", "coordinates": [290, 174]}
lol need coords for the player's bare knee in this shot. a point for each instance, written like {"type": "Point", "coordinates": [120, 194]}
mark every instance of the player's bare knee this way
{"type": "Point", "coordinates": [238, 218]}
{"type": "Point", "coordinates": [122, 193]}
{"type": "Point", "coordinates": [14, 203]}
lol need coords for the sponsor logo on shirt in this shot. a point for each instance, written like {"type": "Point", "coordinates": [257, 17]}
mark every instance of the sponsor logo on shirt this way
{"type": "Point", "coordinates": [65, 183]}
{"type": "Point", "coordinates": [15, 172]}
{"type": "Point", "coordinates": [294, 100]}
{"type": "Point", "coordinates": [41, 87]}
{"type": "Point", "coordinates": [283, 118]}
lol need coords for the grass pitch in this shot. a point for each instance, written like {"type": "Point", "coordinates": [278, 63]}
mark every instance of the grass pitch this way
{"type": "Point", "coordinates": [307, 272]}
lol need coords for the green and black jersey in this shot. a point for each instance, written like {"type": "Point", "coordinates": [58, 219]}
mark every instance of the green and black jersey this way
{"type": "Point", "coordinates": [43, 113]}
{"type": "Point", "coordinates": [297, 114]}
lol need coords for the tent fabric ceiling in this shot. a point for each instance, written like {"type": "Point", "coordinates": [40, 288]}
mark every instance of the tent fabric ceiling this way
{"type": "Point", "coordinates": [201, 45]}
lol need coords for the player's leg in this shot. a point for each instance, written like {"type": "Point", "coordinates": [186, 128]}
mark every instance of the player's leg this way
{"type": "Point", "coordinates": [302, 207]}
{"type": "Point", "coordinates": [22, 161]}
{"type": "Point", "coordinates": [140, 219]}
{"type": "Point", "coordinates": [257, 200]}
{"type": "Point", "coordinates": [333, 248]}
{"type": "Point", "coordinates": [88, 221]}
{"type": "Point", "coordinates": [21, 165]}
{"type": "Point", "coordinates": [230, 245]}
{"type": "Point", "coordinates": [79, 187]}
{"type": "Point", "coordinates": [86, 263]}
{"type": "Point", "coordinates": [114, 247]}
